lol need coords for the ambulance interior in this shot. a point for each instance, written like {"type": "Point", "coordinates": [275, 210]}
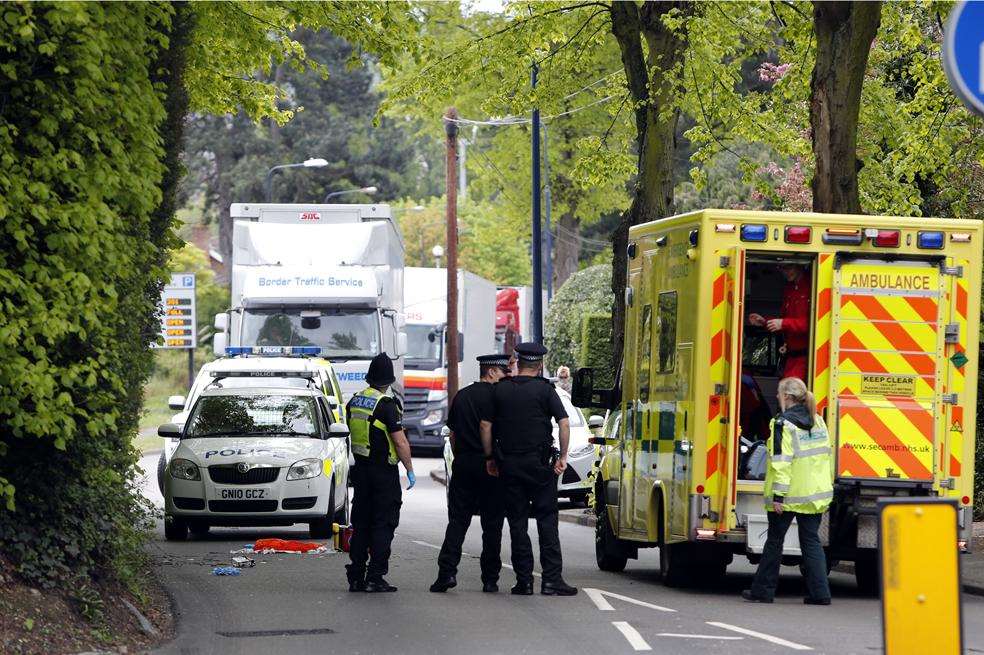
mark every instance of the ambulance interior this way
{"type": "Point", "coordinates": [762, 356]}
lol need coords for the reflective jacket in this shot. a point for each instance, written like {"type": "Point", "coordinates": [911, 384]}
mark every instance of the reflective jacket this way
{"type": "Point", "coordinates": [800, 474]}
{"type": "Point", "coordinates": [362, 420]}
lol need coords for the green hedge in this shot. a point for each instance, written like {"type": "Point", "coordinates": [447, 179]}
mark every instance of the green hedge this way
{"type": "Point", "coordinates": [92, 115]}
{"type": "Point", "coordinates": [587, 291]}
{"type": "Point", "coordinates": [596, 348]}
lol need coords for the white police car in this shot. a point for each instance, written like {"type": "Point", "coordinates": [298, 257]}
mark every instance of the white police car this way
{"type": "Point", "coordinates": [269, 455]}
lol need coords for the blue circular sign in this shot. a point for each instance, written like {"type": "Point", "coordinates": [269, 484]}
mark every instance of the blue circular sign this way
{"type": "Point", "coordinates": [963, 53]}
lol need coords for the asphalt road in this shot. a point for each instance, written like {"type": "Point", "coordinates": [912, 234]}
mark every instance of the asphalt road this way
{"type": "Point", "coordinates": [300, 603]}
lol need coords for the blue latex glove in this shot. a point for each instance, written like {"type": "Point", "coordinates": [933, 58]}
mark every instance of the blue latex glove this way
{"type": "Point", "coordinates": [412, 478]}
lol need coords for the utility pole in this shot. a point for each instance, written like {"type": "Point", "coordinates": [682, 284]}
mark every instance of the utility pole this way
{"type": "Point", "coordinates": [537, 331]}
{"type": "Point", "coordinates": [451, 177]}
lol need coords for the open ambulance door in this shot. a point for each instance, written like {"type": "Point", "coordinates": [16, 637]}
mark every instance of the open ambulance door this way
{"type": "Point", "coordinates": [886, 349]}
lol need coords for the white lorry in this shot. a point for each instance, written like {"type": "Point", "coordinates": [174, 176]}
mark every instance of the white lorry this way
{"type": "Point", "coordinates": [425, 368]}
{"type": "Point", "coordinates": [318, 275]}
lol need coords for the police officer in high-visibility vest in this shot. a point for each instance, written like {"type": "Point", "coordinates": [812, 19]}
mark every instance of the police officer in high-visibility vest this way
{"type": "Point", "coordinates": [521, 429]}
{"type": "Point", "coordinates": [378, 442]}
{"type": "Point", "coordinates": [798, 484]}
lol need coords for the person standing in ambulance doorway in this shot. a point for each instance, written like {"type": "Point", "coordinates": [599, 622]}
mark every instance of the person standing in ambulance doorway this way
{"type": "Point", "coordinates": [793, 320]}
{"type": "Point", "coordinates": [523, 406]}
{"type": "Point", "coordinates": [378, 442]}
{"type": "Point", "coordinates": [798, 485]}
{"type": "Point", "coordinates": [471, 487]}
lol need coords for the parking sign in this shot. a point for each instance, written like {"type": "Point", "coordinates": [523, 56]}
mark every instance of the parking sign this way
{"type": "Point", "coordinates": [963, 53]}
{"type": "Point", "coordinates": [178, 313]}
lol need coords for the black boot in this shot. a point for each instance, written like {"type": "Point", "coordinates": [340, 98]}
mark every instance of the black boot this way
{"type": "Point", "coordinates": [443, 583]}
{"type": "Point", "coordinates": [522, 589]}
{"type": "Point", "coordinates": [378, 585]}
{"type": "Point", "coordinates": [356, 580]}
{"type": "Point", "coordinates": [490, 587]}
{"type": "Point", "coordinates": [557, 588]}
{"type": "Point", "coordinates": [752, 598]}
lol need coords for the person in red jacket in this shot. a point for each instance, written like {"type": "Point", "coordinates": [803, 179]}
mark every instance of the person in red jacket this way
{"type": "Point", "coordinates": [793, 321]}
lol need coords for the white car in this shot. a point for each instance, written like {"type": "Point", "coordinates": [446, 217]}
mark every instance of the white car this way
{"type": "Point", "coordinates": [257, 456]}
{"type": "Point", "coordinates": [581, 455]}
{"type": "Point", "coordinates": [252, 371]}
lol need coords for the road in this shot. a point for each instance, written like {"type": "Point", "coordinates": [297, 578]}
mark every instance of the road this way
{"type": "Point", "coordinates": [300, 603]}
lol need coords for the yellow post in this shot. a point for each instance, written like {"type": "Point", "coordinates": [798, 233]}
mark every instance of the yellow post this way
{"type": "Point", "coordinates": [920, 576]}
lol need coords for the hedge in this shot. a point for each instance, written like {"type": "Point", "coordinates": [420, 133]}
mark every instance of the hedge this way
{"type": "Point", "coordinates": [90, 131]}
{"type": "Point", "coordinates": [587, 291]}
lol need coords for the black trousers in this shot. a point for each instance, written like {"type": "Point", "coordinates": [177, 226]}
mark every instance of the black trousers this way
{"type": "Point", "coordinates": [471, 489]}
{"type": "Point", "coordinates": [376, 503]}
{"type": "Point", "coordinates": [531, 490]}
{"type": "Point", "coordinates": [814, 562]}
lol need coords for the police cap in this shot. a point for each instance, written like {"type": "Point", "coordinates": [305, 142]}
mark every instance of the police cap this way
{"type": "Point", "coordinates": [499, 359]}
{"type": "Point", "coordinates": [530, 352]}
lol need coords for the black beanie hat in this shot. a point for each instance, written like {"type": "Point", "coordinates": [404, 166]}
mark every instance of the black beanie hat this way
{"type": "Point", "coordinates": [380, 371]}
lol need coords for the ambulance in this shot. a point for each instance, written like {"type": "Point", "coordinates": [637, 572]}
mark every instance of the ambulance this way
{"type": "Point", "coordinates": [893, 325]}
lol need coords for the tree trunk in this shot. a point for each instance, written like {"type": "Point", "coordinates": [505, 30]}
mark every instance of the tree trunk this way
{"type": "Point", "coordinates": [844, 31]}
{"type": "Point", "coordinates": [653, 78]}
{"type": "Point", "coordinates": [567, 249]}
{"type": "Point", "coordinates": [223, 199]}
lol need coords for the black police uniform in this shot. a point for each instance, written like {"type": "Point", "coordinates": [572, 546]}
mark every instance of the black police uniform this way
{"type": "Point", "coordinates": [522, 431]}
{"type": "Point", "coordinates": [471, 487]}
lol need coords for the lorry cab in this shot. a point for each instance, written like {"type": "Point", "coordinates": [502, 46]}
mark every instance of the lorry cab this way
{"type": "Point", "coordinates": [882, 319]}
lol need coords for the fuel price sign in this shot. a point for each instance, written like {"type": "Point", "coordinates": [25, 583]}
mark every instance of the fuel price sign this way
{"type": "Point", "coordinates": [178, 313]}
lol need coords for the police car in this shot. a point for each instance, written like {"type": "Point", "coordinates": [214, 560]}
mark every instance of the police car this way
{"type": "Point", "coordinates": [253, 366]}
{"type": "Point", "coordinates": [259, 455]}
{"type": "Point", "coordinates": [581, 454]}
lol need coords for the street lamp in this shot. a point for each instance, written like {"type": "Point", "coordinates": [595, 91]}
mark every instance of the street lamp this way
{"type": "Point", "coordinates": [369, 190]}
{"type": "Point", "coordinates": [307, 163]}
{"type": "Point", "coordinates": [437, 252]}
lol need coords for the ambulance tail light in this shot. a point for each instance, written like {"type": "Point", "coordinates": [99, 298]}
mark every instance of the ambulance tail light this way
{"type": "Point", "coordinates": [930, 240]}
{"type": "Point", "coordinates": [757, 233]}
{"type": "Point", "coordinates": [842, 237]}
{"type": "Point", "coordinates": [887, 238]}
{"type": "Point", "coordinates": [798, 234]}
{"type": "Point", "coordinates": [960, 237]}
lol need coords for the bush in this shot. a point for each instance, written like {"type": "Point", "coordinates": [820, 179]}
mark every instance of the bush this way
{"type": "Point", "coordinates": [587, 291]}
{"type": "Point", "coordinates": [596, 349]}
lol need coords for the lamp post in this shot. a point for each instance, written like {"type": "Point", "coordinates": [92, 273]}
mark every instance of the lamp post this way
{"type": "Point", "coordinates": [437, 252]}
{"type": "Point", "coordinates": [307, 163]}
{"type": "Point", "coordinates": [368, 190]}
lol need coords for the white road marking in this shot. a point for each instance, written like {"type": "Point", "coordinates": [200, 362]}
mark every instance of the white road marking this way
{"type": "Point", "coordinates": [464, 554]}
{"type": "Point", "coordinates": [632, 635]}
{"type": "Point", "coordinates": [424, 543]}
{"type": "Point", "coordinates": [759, 635]}
{"type": "Point", "coordinates": [597, 595]}
{"type": "Point", "coordinates": [723, 638]}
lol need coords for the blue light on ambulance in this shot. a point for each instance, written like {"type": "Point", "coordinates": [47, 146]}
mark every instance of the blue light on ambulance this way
{"type": "Point", "coordinates": [754, 232]}
{"type": "Point", "coordinates": [930, 240]}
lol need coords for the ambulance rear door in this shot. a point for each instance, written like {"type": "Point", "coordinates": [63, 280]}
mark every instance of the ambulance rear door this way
{"type": "Point", "coordinates": [887, 344]}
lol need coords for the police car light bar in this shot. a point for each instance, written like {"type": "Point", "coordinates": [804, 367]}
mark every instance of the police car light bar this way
{"type": "Point", "coordinates": [272, 350]}
{"type": "Point", "coordinates": [308, 375]}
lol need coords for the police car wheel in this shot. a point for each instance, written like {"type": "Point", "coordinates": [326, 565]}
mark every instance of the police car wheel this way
{"type": "Point", "coordinates": [175, 529]}
{"type": "Point", "coordinates": [321, 528]}
{"type": "Point", "coordinates": [198, 528]}
{"type": "Point", "coordinates": [161, 468]}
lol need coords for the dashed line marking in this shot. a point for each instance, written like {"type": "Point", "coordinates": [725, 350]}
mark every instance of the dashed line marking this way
{"type": "Point", "coordinates": [682, 636]}
{"type": "Point", "coordinates": [597, 596]}
{"type": "Point", "coordinates": [632, 636]}
{"type": "Point", "coordinates": [464, 554]}
{"type": "Point", "coordinates": [759, 635]}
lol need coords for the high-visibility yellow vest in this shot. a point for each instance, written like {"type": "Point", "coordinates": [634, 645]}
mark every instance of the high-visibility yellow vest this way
{"type": "Point", "coordinates": [362, 409]}
{"type": "Point", "coordinates": [802, 471]}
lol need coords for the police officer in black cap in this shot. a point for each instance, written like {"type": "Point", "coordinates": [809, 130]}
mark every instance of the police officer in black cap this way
{"type": "Point", "coordinates": [378, 442]}
{"type": "Point", "coordinates": [520, 427]}
{"type": "Point", "coordinates": [470, 486]}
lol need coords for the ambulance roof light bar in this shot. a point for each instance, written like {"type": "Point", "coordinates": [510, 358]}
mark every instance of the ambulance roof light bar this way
{"type": "Point", "coordinates": [273, 351]}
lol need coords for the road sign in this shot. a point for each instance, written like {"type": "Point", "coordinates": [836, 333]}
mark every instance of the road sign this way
{"type": "Point", "coordinates": [178, 325]}
{"type": "Point", "coordinates": [920, 576]}
{"type": "Point", "coordinates": [963, 53]}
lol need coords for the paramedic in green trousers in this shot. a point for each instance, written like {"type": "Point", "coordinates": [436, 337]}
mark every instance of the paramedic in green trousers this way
{"type": "Point", "coordinates": [798, 485]}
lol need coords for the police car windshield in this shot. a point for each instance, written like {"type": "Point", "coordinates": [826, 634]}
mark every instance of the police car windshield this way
{"type": "Point", "coordinates": [253, 415]}
{"type": "Point", "coordinates": [344, 334]}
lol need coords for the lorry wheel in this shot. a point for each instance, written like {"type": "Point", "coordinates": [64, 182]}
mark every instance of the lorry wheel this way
{"type": "Point", "coordinates": [321, 528]}
{"type": "Point", "coordinates": [198, 528]}
{"type": "Point", "coordinates": [175, 529]}
{"type": "Point", "coordinates": [674, 564]}
{"type": "Point", "coordinates": [161, 468]}
{"type": "Point", "coordinates": [609, 553]}
{"type": "Point", "coordinates": [866, 574]}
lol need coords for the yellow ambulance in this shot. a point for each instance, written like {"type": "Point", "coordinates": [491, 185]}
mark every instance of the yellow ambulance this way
{"type": "Point", "coordinates": [889, 310]}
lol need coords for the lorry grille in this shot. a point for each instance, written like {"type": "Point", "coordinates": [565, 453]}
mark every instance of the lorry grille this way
{"type": "Point", "coordinates": [228, 474]}
{"type": "Point", "coordinates": [242, 506]}
{"type": "Point", "coordinates": [415, 401]}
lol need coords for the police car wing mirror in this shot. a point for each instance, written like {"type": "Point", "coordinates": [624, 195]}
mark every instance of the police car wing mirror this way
{"type": "Point", "coordinates": [595, 422]}
{"type": "Point", "coordinates": [176, 403]}
{"type": "Point", "coordinates": [338, 431]}
{"type": "Point", "coordinates": [169, 431]}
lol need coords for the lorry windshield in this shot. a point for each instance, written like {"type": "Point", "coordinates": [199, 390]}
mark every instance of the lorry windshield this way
{"type": "Point", "coordinates": [253, 415]}
{"type": "Point", "coordinates": [424, 342]}
{"type": "Point", "coordinates": [344, 334]}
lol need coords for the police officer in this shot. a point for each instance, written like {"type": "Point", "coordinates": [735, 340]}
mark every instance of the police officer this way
{"type": "Point", "coordinates": [378, 441]}
{"type": "Point", "coordinates": [520, 427]}
{"type": "Point", "coordinates": [471, 486]}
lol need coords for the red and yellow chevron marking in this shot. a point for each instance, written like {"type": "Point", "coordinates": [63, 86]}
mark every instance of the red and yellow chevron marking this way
{"type": "Point", "coordinates": [955, 425]}
{"type": "Point", "coordinates": [887, 346]}
{"type": "Point", "coordinates": [821, 338]}
{"type": "Point", "coordinates": [722, 291]}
